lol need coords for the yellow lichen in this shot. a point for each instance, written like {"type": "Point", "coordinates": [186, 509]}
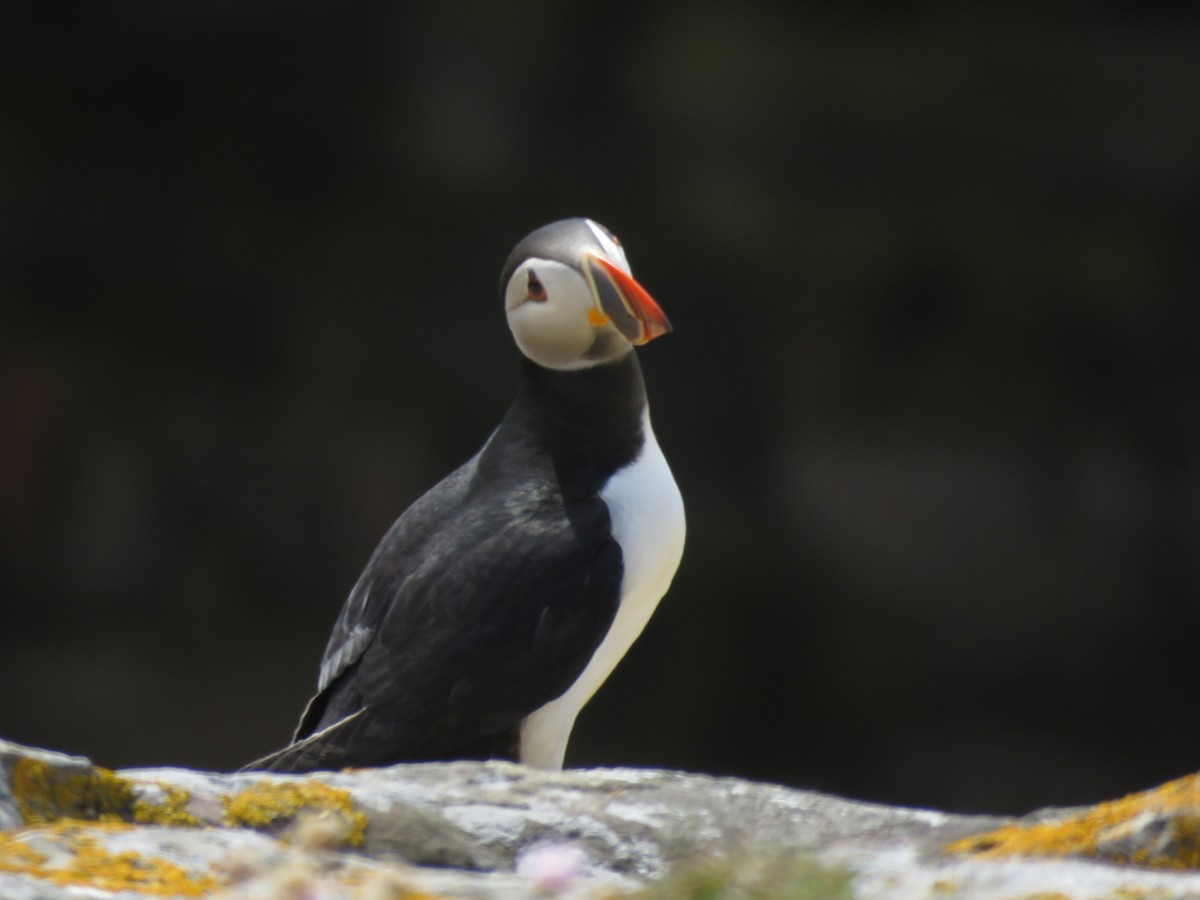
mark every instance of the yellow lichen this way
{"type": "Point", "coordinates": [1109, 831]}
{"type": "Point", "coordinates": [46, 793]}
{"type": "Point", "coordinates": [73, 807]}
{"type": "Point", "coordinates": [273, 804]}
{"type": "Point", "coordinates": [90, 864]}
{"type": "Point", "coordinates": [16, 855]}
{"type": "Point", "coordinates": [172, 812]}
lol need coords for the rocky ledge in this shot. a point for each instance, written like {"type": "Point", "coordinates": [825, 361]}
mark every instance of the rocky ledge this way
{"type": "Point", "coordinates": [69, 829]}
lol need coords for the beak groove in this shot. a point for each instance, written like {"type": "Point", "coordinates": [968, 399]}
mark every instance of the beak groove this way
{"type": "Point", "coordinates": [619, 296]}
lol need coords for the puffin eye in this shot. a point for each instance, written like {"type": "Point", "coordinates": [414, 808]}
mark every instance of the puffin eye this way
{"type": "Point", "coordinates": [535, 288]}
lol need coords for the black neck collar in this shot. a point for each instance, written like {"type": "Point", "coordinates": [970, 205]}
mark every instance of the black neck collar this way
{"type": "Point", "coordinates": [600, 404]}
{"type": "Point", "coordinates": [586, 424]}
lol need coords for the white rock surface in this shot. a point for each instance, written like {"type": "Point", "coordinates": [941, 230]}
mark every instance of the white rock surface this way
{"type": "Point", "coordinates": [469, 829]}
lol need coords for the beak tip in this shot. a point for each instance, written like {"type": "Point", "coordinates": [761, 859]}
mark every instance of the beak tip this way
{"type": "Point", "coordinates": [635, 312]}
{"type": "Point", "coordinates": [657, 329]}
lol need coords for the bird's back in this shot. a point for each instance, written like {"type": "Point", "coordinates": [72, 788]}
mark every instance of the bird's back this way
{"type": "Point", "coordinates": [485, 600]}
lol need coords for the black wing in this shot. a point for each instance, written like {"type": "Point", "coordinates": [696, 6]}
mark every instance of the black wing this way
{"type": "Point", "coordinates": [484, 601]}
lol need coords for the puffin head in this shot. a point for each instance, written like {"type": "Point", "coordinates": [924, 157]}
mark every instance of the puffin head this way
{"type": "Point", "coordinates": [571, 301]}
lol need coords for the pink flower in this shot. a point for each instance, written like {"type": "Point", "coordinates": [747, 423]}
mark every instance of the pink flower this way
{"type": "Point", "coordinates": [552, 867]}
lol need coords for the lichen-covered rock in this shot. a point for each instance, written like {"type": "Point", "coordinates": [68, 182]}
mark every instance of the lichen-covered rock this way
{"type": "Point", "coordinates": [1158, 829]}
{"type": "Point", "coordinates": [497, 830]}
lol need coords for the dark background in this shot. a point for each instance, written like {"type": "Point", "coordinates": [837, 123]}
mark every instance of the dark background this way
{"type": "Point", "coordinates": [931, 398]}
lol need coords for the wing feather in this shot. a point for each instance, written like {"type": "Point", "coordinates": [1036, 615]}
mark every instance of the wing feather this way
{"type": "Point", "coordinates": [484, 601]}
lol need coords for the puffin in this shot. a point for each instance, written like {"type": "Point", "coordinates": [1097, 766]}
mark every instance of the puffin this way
{"type": "Point", "coordinates": [498, 603]}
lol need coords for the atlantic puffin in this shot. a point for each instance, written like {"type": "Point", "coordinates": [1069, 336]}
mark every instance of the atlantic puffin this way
{"type": "Point", "coordinates": [497, 604]}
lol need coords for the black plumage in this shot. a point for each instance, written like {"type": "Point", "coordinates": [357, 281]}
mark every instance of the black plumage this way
{"type": "Point", "coordinates": [489, 595]}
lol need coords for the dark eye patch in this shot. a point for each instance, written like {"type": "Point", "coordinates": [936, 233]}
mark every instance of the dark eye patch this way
{"type": "Point", "coordinates": [534, 287]}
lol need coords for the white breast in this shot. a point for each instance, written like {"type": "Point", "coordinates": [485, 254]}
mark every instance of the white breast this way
{"type": "Point", "coordinates": [647, 521]}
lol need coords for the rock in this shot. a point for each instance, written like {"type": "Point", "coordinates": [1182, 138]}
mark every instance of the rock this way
{"type": "Point", "coordinates": [498, 830]}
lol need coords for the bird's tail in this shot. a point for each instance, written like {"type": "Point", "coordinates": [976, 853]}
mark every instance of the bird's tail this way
{"type": "Point", "coordinates": [318, 751]}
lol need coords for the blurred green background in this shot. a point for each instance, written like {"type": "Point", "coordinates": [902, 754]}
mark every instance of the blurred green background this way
{"type": "Point", "coordinates": [931, 397]}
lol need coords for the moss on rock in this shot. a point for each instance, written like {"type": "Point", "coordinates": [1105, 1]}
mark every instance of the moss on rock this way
{"type": "Point", "coordinates": [761, 874]}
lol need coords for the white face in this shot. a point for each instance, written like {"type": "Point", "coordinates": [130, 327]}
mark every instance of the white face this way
{"type": "Point", "coordinates": [554, 318]}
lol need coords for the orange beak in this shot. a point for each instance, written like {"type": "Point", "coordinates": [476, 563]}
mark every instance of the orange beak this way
{"type": "Point", "coordinates": [632, 310]}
